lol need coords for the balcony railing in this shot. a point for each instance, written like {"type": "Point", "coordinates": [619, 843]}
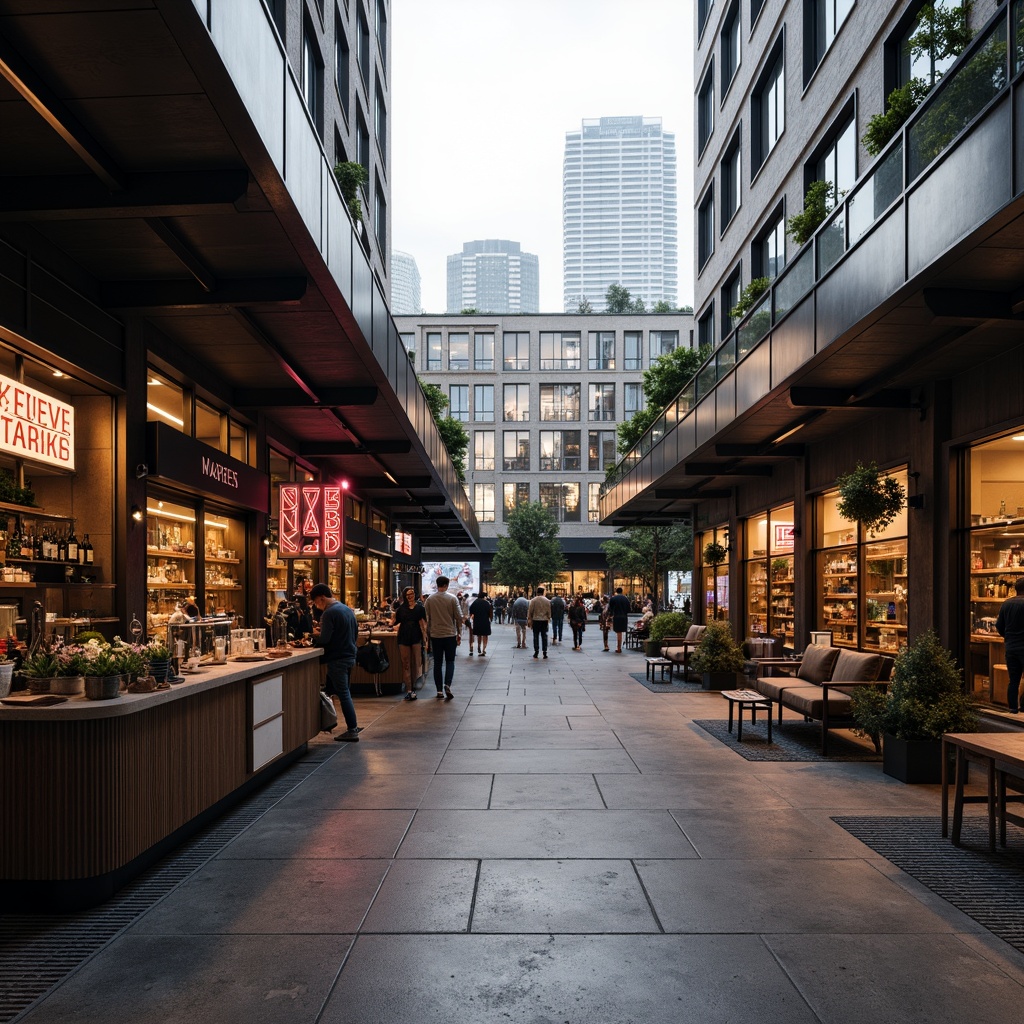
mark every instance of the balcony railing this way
{"type": "Point", "coordinates": [980, 75]}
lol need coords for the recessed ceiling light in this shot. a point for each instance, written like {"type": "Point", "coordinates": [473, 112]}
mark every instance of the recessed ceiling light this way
{"type": "Point", "coordinates": [1017, 437]}
{"type": "Point", "coordinates": [57, 373]}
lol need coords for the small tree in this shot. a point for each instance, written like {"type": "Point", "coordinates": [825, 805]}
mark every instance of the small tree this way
{"type": "Point", "coordinates": [453, 433]}
{"type": "Point", "coordinates": [648, 552]}
{"type": "Point", "coordinates": [530, 554]}
{"type": "Point", "coordinates": [661, 306]}
{"type": "Point", "coordinates": [617, 299]}
{"type": "Point", "coordinates": [351, 177]}
{"type": "Point", "coordinates": [584, 305]}
{"type": "Point", "coordinates": [749, 296]}
{"type": "Point", "coordinates": [818, 203]}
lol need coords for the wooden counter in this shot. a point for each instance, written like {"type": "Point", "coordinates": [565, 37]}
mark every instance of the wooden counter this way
{"type": "Point", "coordinates": [357, 677]}
{"type": "Point", "coordinates": [94, 791]}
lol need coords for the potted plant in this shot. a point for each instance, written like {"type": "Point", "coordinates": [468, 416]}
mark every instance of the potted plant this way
{"type": "Point", "coordinates": [102, 671]}
{"type": "Point", "coordinates": [6, 674]}
{"type": "Point", "coordinates": [717, 657]}
{"type": "Point", "coordinates": [159, 656]}
{"type": "Point", "coordinates": [925, 699]}
{"type": "Point", "coordinates": [54, 668]}
{"type": "Point", "coordinates": [132, 660]}
{"type": "Point", "coordinates": [869, 498]}
{"type": "Point", "coordinates": [664, 625]}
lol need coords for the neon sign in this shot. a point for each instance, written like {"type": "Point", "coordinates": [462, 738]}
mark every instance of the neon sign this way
{"type": "Point", "coordinates": [311, 521]}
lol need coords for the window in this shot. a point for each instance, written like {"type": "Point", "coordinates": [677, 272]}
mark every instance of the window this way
{"type": "Point", "coordinates": [730, 296]}
{"type": "Point", "coordinates": [730, 45]}
{"type": "Point", "coordinates": [634, 342]}
{"type": "Point", "coordinates": [755, 9]}
{"type": "Point", "coordinates": [382, 43]}
{"type": "Point", "coordinates": [838, 162]}
{"type": "Point", "coordinates": [516, 401]}
{"type": "Point", "coordinates": [601, 345]}
{"type": "Point", "coordinates": [559, 350]}
{"type": "Point", "coordinates": [593, 503]}
{"type": "Point", "coordinates": [483, 450]}
{"type": "Point", "coordinates": [363, 30]}
{"type": "Point", "coordinates": [559, 449]}
{"type": "Point", "coordinates": [515, 350]}
{"type": "Point", "coordinates": [238, 441]}
{"type": "Point", "coordinates": [600, 449]}
{"type": "Point", "coordinates": [433, 351]}
{"type": "Point", "coordinates": [483, 351]}
{"type": "Point", "coordinates": [208, 425]}
{"type": "Point", "coordinates": [632, 399]}
{"type": "Point", "coordinates": [341, 59]}
{"type": "Point", "coordinates": [362, 142]}
{"type": "Point", "coordinates": [706, 227]}
{"type": "Point", "coordinates": [822, 21]}
{"type": "Point", "coordinates": [562, 500]}
{"type": "Point", "coordinates": [731, 181]}
{"type": "Point", "coordinates": [602, 402]}
{"type": "Point", "coordinates": [925, 66]}
{"type": "Point", "coordinates": [458, 351]}
{"type": "Point", "coordinates": [312, 73]}
{"type": "Point", "coordinates": [408, 342]}
{"type": "Point", "coordinates": [706, 328]}
{"type": "Point", "coordinates": [483, 403]}
{"type": "Point", "coordinates": [513, 495]}
{"type": "Point", "coordinates": [703, 10]}
{"type": "Point", "coordinates": [483, 502]}
{"type": "Point", "coordinates": [380, 117]}
{"type": "Point", "coordinates": [768, 107]}
{"type": "Point", "coordinates": [663, 342]}
{"type": "Point", "coordinates": [166, 402]}
{"type": "Point", "coordinates": [769, 250]}
{"type": "Point", "coordinates": [559, 401]}
{"type": "Point", "coordinates": [380, 217]}
{"type": "Point", "coordinates": [706, 108]}
{"type": "Point", "coordinates": [516, 450]}
{"type": "Point", "coordinates": [458, 398]}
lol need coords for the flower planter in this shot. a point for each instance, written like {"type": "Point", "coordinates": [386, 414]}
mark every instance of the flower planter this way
{"type": "Point", "coordinates": [102, 687]}
{"type": "Point", "coordinates": [918, 762]}
{"type": "Point", "coordinates": [720, 680]}
{"type": "Point", "coordinates": [6, 675]}
{"type": "Point", "coordinates": [67, 686]}
{"type": "Point", "coordinates": [159, 670]}
{"type": "Point", "coordinates": [652, 648]}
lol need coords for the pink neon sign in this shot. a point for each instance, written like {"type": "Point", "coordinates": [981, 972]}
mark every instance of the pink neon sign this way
{"type": "Point", "coordinates": [312, 520]}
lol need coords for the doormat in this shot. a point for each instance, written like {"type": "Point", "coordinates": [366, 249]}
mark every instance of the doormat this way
{"type": "Point", "coordinates": [987, 887]}
{"type": "Point", "coordinates": [666, 687]}
{"type": "Point", "coordinates": [794, 741]}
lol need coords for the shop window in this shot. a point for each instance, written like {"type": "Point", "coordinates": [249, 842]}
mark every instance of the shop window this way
{"type": "Point", "coordinates": [862, 578]}
{"type": "Point", "coordinates": [352, 585]}
{"type": "Point", "coordinates": [224, 572]}
{"type": "Point", "coordinates": [714, 579]}
{"type": "Point", "coordinates": [769, 575]}
{"type": "Point", "coordinates": [165, 402]}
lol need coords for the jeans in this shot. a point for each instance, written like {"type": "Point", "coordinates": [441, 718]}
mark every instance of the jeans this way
{"type": "Point", "coordinates": [337, 683]}
{"type": "Point", "coordinates": [577, 634]}
{"type": "Point", "coordinates": [1014, 668]}
{"type": "Point", "coordinates": [556, 627]}
{"type": "Point", "coordinates": [444, 648]}
{"type": "Point", "coordinates": [540, 636]}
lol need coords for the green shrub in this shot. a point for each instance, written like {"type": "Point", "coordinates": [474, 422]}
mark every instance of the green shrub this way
{"type": "Point", "coordinates": [901, 104]}
{"type": "Point", "coordinates": [717, 650]}
{"type": "Point", "coordinates": [818, 203]}
{"type": "Point", "coordinates": [351, 176]}
{"type": "Point", "coordinates": [669, 624]}
{"type": "Point", "coordinates": [749, 296]}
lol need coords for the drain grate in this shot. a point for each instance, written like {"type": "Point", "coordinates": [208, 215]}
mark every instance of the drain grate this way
{"type": "Point", "coordinates": [987, 887]}
{"type": "Point", "coordinates": [38, 952]}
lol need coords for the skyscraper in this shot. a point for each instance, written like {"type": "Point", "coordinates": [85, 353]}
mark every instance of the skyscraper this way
{"type": "Point", "coordinates": [405, 284]}
{"type": "Point", "coordinates": [493, 276]}
{"type": "Point", "coordinates": [619, 216]}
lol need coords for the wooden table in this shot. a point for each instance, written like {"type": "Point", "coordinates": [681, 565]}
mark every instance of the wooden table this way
{"type": "Point", "coordinates": [748, 699]}
{"type": "Point", "coordinates": [1002, 754]}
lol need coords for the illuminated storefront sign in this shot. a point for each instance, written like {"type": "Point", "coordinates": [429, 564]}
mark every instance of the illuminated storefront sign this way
{"type": "Point", "coordinates": [36, 426]}
{"type": "Point", "coordinates": [783, 537]}
{"type": "Point", "coordinates": [403, 543]}
{"type": "Point", "coordinates": [312, 520]}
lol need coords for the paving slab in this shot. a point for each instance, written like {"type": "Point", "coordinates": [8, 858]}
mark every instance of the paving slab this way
{"type": "Point", "coordinates": [544, 762]}
{"type": "Point", "coordinates": [732, 793]}
{"type": "Point", "coordinates": [527, 737]}
{"type": "Point", "coordinates": [549, 833]}
{"type": "Point", "coordinates": [476, 739]}
{"type": "Point", "coordinates": [424, 896]}
{"type": "Point", "coordinates": [457, 792]}
{"type": "Point", "coordinates": [545, 791]}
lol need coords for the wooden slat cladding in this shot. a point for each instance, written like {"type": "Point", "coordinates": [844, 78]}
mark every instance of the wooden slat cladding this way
{"type": "Point", "coordinates": [81, 799]}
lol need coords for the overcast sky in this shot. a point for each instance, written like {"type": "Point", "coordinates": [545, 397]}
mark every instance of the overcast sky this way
{"type": "Point", "coordinates": [482, 94]}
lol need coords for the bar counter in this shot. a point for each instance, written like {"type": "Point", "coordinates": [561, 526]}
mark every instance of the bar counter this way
{"type": "Point", "coordinates": [95, 791]}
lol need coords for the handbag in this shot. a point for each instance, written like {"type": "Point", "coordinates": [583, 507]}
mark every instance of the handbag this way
{"type": "Point", "coordinates": [373, 658]}
{"type": "Point", "coordinates": [328, 716]}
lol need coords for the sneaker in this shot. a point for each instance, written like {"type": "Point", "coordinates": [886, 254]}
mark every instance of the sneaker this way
{"type": "Point", "coordinates": [440, 694]}
{"type": "Point", "coordinates": [535, 654]}
{"type": "Point", "coordinates": [545, 655]}
{"type": "Point", "coordinates": [351, 736]}
{"type": "Point", "coordinates": [410, 696]}
{"type": "Point", "coordinates": [448, 693]}
{"type": "Point", "coordinates": [471, 652]}
{"type": "Point", "coordinates": [483, 654]}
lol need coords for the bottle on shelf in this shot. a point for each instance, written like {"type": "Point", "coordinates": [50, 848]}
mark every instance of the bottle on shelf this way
{"type": "Point", "coordinates": [72, 552]}
{"type": "Point", "coordinates": [1002, 507]}
{"type": "Point", "coordinates": [62, 547]}
{"type": "Point", "coordinates": [88, 551]}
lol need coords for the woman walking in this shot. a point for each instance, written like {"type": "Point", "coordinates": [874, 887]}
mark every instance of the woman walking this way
{"type": "Point", "coordinates": [411, 620]}
{"type": "Point", "coordinates": [577, 622]}
{"type": "Point", "coordinates": [604, 620]}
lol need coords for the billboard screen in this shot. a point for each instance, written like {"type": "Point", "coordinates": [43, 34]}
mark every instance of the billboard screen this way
{"type": "Point", "coordinates": [464, 576]}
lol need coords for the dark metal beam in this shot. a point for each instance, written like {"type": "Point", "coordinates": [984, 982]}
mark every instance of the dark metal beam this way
{"type": "Point", "coordinates": [969, 304]}
{"type": "Point", "coordinates": [282, 398]}
{"type": "Point", "coordinates": [245, 320]}
{"type": "Point", "coordinates": [340, 449]}
{"type": "Point", "coordinates": [401, 502]}
{"type": "Point", "coordinates": [162, 295]}
{"type": "Point", "coordinates": [82, 196]}
{"type": "Point", "coordinates": [842, 398]}
{"type": "Point", "coordinates": [184, 253]}
{"type": "Point", "coordinates": [678, 494]}
{"type": "Point", "coordinates": [760, 451]}
{"type": "Point", "coordinates": [725, 469]}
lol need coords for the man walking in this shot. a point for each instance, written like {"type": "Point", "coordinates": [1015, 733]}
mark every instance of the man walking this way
{"type": "Point", "coordinates": [520, 612]}
{"type": "Point", "coordinates": [557, 618]}
{"type": "Point", "coordinates": [1010, 626]}
{"type": "Point", "coordinates": [618, 610]}
{"type": "Point", "coordinates": [337, 634]}
{"type": "Point", "coordinates": [480, 612]}
{"type": "Point", "coordinates": [444, 627]}
{"type": "Point", "coordinates": [538, 615]}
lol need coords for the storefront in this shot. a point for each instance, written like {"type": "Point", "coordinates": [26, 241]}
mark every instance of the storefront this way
{"type": "Point", "coordinates": [713, 574]}
{"type": "Point", "coordinates": [769, 574]}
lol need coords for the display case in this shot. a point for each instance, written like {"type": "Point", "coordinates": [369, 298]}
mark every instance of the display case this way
{"type": "Point", "coordinates": [170, 560]}
{"type": "Point", "coordinates": [885, 592]}
{"type": "Point", "coordinates": [757, 598]}
{"type": "Point", "coordinates": [838, 573]}
{"type": "Point", "coordinates": [782, 599]}
{"type": "Point", "coordinates": [224, 564]}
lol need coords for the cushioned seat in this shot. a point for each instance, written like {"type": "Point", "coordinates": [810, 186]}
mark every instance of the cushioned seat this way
{"type": "Point", "coordinates": [809, 701]}
{"type": "Point", "coordinates": [773, 686]}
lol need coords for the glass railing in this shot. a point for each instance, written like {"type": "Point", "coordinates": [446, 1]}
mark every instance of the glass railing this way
{"type": "Point", "coordinates": [967, 88]}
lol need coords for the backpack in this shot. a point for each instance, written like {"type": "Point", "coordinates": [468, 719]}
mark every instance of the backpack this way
{"type": "Point", "coordinates": [372, 658]}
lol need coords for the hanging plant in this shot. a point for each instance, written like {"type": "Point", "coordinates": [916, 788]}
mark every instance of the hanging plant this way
{"type": "Point", "coordinates": [715, 554]}
{"type": "Point", "coordinates": [869, 498]}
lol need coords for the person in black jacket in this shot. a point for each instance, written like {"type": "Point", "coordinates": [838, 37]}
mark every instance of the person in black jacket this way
{"type": "Point", "coordinates": [1010, 626]}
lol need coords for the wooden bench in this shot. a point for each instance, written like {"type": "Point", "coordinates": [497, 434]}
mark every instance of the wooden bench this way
{"type": "Point", "coordinates": [820, 691]}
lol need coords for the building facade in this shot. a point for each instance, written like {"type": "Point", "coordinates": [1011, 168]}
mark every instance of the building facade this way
{"type": "Point", "coordinates": [619, 212]}
{"type": "Point", "coordinates": [541, 397]}
{"type": "Point", "coordinates": [887, 332]}
{"type": "Point", "coordinates": [405, 285]}
{"type": "Point", "coordinates": [493, 275]}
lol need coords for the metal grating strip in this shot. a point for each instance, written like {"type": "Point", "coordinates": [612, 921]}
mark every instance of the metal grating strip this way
{"type": "Point", "coordinates": [987, 887]}
{"type": "Point", "coordinates": [37, 953]}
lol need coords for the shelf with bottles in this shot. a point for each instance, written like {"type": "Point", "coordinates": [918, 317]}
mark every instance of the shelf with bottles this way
{"type": "Point", "coordinates": [169, 553]}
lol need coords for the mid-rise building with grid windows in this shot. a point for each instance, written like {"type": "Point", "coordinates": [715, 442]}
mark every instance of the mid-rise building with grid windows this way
{"type": "Point", "coordinates": [541, 397]}
{"type": "Point", "coordinates": [619, 212]}
{"type": "Point", "coordinates": [493, 275]}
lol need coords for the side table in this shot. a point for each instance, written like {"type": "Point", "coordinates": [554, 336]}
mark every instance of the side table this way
{"type": "Point", "coordinates": [748, 699]}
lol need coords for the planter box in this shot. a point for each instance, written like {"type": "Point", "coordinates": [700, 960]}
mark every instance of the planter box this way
{"type": "Point", "coordinates": [722, 680]}
{"type": "Point", "coordinates": [652, 648]}
{"type": "Point", "coordinates": [918, 762]}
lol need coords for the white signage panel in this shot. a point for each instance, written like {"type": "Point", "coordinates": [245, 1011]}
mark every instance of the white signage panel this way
{"type": "Point", "coordinates": [36, 426]}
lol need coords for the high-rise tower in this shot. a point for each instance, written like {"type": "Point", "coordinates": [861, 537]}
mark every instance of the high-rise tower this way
{"type": "Point", "coordinates": [619, 215]}
{"type": "Point", "coordinates": [493, 276]}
